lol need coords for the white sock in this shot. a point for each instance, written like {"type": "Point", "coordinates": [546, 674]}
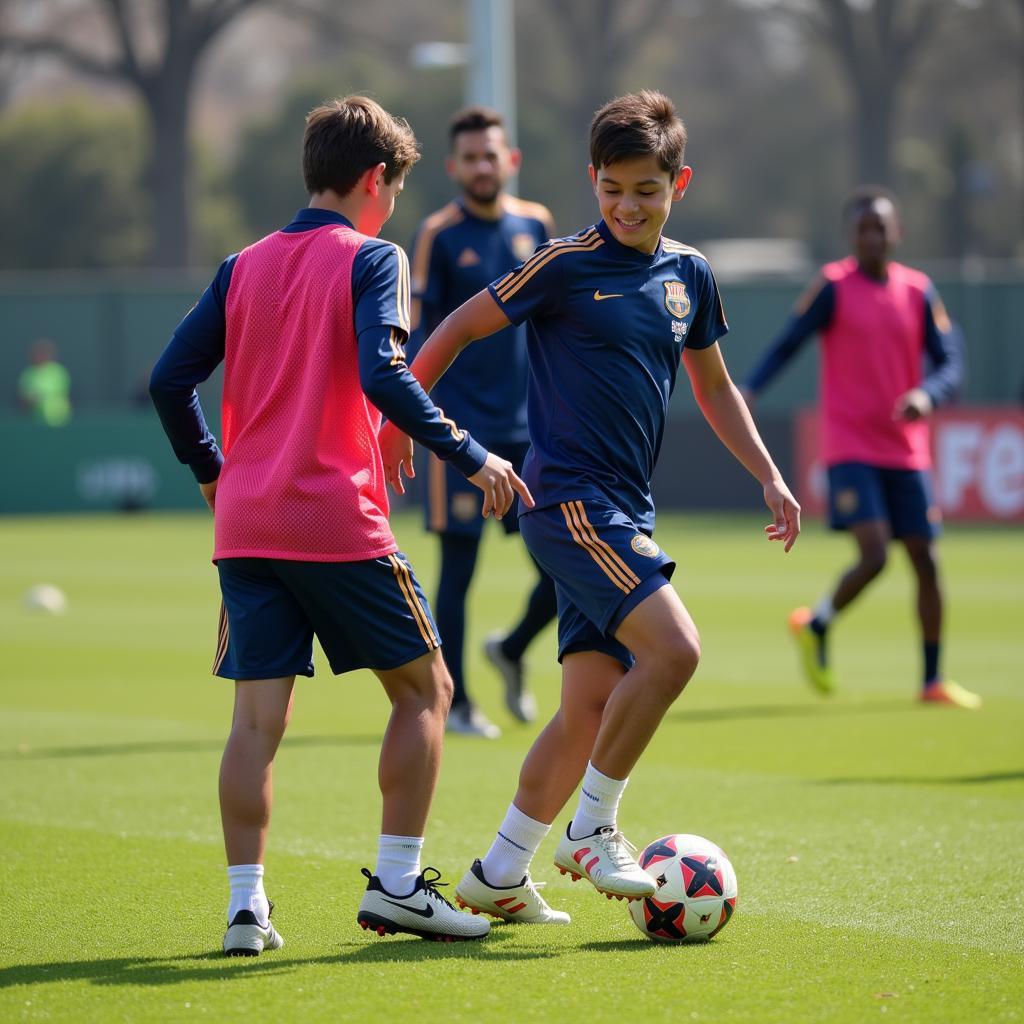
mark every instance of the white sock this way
{"type": "Point", "coordinates": [599, 803]}
{"type": "Point", "coordinates": [246, 881]}
{"type": "Point", "coordinates": [518, 839]}
{"type": "Point", "coordinates": [398, 863]}
{"type": "Point", "coordinates": [824, 611]}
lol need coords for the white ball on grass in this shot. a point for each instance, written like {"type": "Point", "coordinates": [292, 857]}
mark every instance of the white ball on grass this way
{"type": "Point", "coordinates": [45, 597]}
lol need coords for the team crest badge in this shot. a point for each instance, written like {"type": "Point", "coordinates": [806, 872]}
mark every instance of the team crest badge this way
{"type": "Point", "coordinates": [523, 245]}
{"type": "Point", "coordinates": [847, 501]}
{"type": "Point", "coordinates": [643, 545]}
{"type": "Point", "coordinates": [465, 506]}
{"type": "Point", "coordinates": [677, 302]}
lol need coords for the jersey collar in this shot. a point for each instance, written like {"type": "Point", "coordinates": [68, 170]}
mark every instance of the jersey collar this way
{"type": "Point", "coordinates": [307, 219]}
{"type": "Point", "coordinates": [616, 248]}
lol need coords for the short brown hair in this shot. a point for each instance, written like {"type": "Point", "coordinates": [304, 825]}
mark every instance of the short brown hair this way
{"type": "Point", "coordinates": [640, 124]}
{"type": "Point", "coordinates": [473, 119]}
{"type": "Point", "coordinates": [346, 137]}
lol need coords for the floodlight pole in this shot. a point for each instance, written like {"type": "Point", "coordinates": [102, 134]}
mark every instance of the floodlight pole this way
{"type": "Point", "coordinates": [491, 71]}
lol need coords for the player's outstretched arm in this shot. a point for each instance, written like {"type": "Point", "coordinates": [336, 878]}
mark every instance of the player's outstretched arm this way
{"type": "Point", "coordinates": [476, 318]}
{"type": "Point", "coordinates": [724, 409]}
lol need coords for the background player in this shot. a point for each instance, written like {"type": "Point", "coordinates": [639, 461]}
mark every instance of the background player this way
{"type": "Point", "coordinates": [878, 320]}
{"type": "Point", "coordinates": [311, 322]}
{"type": "Point", "coordinates": [460, 249]}
{"type": "Point", "coordinates": [612, 311]}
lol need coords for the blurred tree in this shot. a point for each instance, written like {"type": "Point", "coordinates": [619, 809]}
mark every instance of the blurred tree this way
{"type": "Point", "coordinates": [71, 195]}
{"type": "Point", "coordinates": [154, 49]}
{"type": "Point", "coordinates": [877, 43]}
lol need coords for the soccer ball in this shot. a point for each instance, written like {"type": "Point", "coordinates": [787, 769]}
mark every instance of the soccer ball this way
{"type": "Point", "coordinates": [696, 893]}
{"type": "Point", "coordinates": [45, 597]}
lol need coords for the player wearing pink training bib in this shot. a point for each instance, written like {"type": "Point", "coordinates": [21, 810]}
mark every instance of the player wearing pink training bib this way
{"type": "Point", "coordinates": [879, 323]}
{"type": "Point", "coordinates": [311, 323]}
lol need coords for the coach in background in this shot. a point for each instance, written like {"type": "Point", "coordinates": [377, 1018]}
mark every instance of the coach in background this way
{"type": "Point", "coordinates": [458, 250]}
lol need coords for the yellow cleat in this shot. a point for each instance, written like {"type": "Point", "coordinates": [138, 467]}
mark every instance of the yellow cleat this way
{"type": "Point", "coordinates": [945, 691]}
{"type": "Point", "coordinates": [811, 648]}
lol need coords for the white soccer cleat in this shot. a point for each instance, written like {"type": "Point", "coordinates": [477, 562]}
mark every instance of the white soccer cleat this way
{"type": "Point", "coordinates": [607, 860]}
{"type": "Point", "coordinates": [424, 912]}
{"type": "Point", "coordinates": [247, 937]}
{"type": "Point", "coordinates": [520, 904]}
{"type": "Point", "coordinates": [468, 720]}
{"type": "Point", "coordinates": [519, 701]}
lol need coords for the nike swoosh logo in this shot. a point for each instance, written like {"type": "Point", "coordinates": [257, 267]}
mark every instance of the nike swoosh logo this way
{"type": "Point", "coordinates": [425, 912]}
{"type": "Point", "coordinates": [598, 297]}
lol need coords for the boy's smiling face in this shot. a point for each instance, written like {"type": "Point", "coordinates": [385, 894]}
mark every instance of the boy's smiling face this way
{"type": "Point", "coordinates": [635, 197]}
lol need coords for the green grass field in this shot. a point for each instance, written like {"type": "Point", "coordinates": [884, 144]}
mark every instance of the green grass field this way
{"type": "Point", "coordinates": [878, 844]}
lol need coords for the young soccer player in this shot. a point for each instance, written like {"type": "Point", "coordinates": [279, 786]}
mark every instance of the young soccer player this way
{"type": "Point", "coordinates": [878, 320]}
{"type": "Point", "coordinates": [311, 324]}
{"type": "Point", "coordinates": [458, 250]}
{"type": "Point", "coordinates": [611, 311]}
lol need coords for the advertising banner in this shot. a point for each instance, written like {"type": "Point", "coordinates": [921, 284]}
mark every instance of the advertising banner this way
{"type": "Point", "coordinates": [978, 458]}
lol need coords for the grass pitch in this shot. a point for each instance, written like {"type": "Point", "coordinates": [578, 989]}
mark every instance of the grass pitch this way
{"type": "Point", "coordinates": [877, 843]}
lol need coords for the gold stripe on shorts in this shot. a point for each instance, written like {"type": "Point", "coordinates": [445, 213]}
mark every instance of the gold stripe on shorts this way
{"type": "Point", "coordinates": [404, 577]}
{"type": "Point", "coordinates": [438, 494]}
{"type": "Point", "coordinates": [222, 639]}
{"type": "Point", "coordinates": [595, 552]}
{"type": "Point", "coordinates": [611, 552]}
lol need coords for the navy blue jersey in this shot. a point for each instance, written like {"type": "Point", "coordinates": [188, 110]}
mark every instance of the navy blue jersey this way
{"type": "Point", "coordinates": [607, 328]}
{"type": "Point", "coordinates": [454, 256]}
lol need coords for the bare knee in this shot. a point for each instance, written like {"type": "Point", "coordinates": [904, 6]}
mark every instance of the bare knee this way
{"type": "Point", "coordinates": [262, 725]}
{"type": "Point", "coordinates": [873, 560]}
{"type": "Point", "coordinates": [424, 683]}
{"type": "Point", "coordinates": [673, 662]}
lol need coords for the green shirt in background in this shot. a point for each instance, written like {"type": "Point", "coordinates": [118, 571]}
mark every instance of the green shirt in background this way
{"type": "Point", "coordinates": [46, 388]}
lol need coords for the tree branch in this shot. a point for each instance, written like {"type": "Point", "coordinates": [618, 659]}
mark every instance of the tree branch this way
{"type": "Point", "coordinates": [132, 68]}
{"type": "Point", "coordinates": [76, 59]}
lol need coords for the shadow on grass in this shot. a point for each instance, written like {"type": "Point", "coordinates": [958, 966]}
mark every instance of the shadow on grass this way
{"type": "Point", "coordinates": [637, 945]}
{"type": "Point", "coordinates": [926, 780]}
{"type": "Point", "coordinates": [174, 747]}
{"type": "Point", "coordinates": [823, 710]}
{"type": "Point", "coordinates": [214, 966]}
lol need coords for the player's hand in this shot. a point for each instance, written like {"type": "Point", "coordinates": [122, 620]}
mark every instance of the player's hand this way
{"type": "Point", "coordinates": [913, 405]}
{"type": "Point", "coordinates": [786, 511]}
{"type": "Point", "coordinates": [396, 454]}
{"type": "Point", "coordinates": [209, 493]}
{"type": "Point", "coordinates": [500, 484]}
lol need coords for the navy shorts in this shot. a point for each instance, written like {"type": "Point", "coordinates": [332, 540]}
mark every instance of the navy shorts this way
{"type": "Point", "coordinates": [452, 504]}
{"type": "Point", "coordinates": [902, 497]}
{"type": "Point", "coordinates": [369, 614]}
{"type": "Point", "coordinates": [603, 567]}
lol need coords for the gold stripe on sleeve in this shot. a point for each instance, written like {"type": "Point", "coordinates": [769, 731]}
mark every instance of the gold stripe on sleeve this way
{"type": "Point", "coordinates": [510, 285]}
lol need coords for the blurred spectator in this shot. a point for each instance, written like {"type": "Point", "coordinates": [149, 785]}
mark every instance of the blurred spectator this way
{"type": "Point", "coordinates": [44, 386]}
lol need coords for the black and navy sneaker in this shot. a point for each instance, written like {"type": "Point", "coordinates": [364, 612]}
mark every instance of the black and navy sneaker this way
{"type": "Point", "coordinates": [424, 912]}
{"type": "Point", "coordinates": [247, 937]}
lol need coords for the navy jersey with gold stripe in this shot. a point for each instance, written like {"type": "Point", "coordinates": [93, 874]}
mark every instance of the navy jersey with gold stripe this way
{"type": "Point", "coordinates": [607, 325]}
{"type": "Point", "coordinates": [456, 255]}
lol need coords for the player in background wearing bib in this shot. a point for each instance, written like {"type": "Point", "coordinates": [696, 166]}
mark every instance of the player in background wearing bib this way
{"type": "Point", "coordinates": [879, 322]}
{"type": "Point", "coordinates": [311, 324]}
{"type": "Point", "coordinates": [611, 313]}
{"type": "Point", "coordinates": [458, 250]}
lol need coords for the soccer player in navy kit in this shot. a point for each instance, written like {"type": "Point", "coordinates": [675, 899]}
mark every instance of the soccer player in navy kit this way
{"type": "Point", "coordinates": [612, 311]}
{"type": "Point", "coordinates": [457, 251]}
